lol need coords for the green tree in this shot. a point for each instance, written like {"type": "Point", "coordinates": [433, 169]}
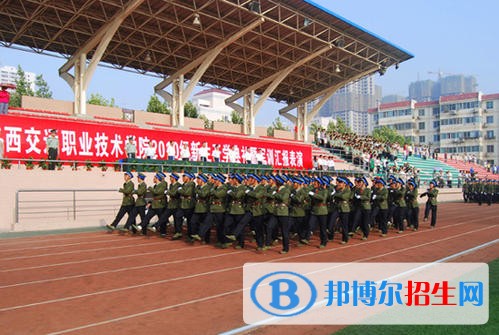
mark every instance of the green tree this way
{"type": "Point", "coordinates": [156, 106]}
{"type": "Point", "coordinates": [190, 110]}
{"type": "Point", "coordinates": [236, 118]}
{"type": "Point", "coordinates": [42, 88]}
{"type": "Point", "coordinates": [207, 123]}
{"type": "Point", "coordinates": [390, 135]}
{"type": "Point", "coordinates": [22, 88]}
{"type": "Point", "coordinates": [278, 125]}
{"type": "Point", "coordinates": [98, 99]}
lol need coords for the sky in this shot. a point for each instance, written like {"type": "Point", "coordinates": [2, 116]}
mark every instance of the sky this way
{"type": "Point", "coordinates": [446, 36]}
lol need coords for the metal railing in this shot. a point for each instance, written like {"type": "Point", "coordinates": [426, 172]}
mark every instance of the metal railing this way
{"type": "Point", "coordinates": [64, 203]}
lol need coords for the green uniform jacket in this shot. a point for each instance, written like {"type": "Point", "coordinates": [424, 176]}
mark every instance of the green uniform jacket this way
{"type": "Point", "coordinates": [381, 200]}
{"type": "Point", "coordinates": [187, 195]}
{"type": "Point", "coordinates": [432, 196]}
{"type": "Point", "coordinates": [319, 201]}
{"type": "Point", "coordinates": [308, 200]}
{"type": "Point", "coordinates": [282, 201]}
{"type": "Point", "coordinates": [331, 190]}
{"type": "Point", "coordinates": [218, 199]}
{"type": "Point", "coordinates": [173, 196]}
{"type": "Point", "coordinates": [342, 199]}
{"type": "Point", "coordinates": [399, 197]}
{"type": "Point", "coordinates": [297, 202]}
{"type": "Point", "coordinates": [127, 191]}
{"type": "Point", "coordinates": [141, 192]}
{"type": "Point", "coordinates": [203, 198]}
{"type": "Point", "coordinates": [270, 202]}
{"type": "Point", "coordinates": [365, 198]}
{"type": "Point", "coordinates": [255, 200]}
{"type": "Point", "coordinates": [412, 198]}
{"type": "Point", "coordinates": [158, 195]}
{"type": "Point", "coordinates": [236, 196]}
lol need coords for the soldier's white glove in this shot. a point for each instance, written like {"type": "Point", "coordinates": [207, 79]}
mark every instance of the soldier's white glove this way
{"type": "Point", "coordinates": [179, 188]}
{"type": "Point", "coordinates": [374, 196]}
{"type": "Point", "coordinates": [332, 193]}
{"type": "Point", "coordinates": [274, 192]}
{"type": "Point", "coordinates": [247, 191]}
{"type": "Point", "coordinates": [229, 191]}
{"type": "Point", "coordinates": [357, 196]}
{"type": "Point", "coordinates": [311, 193]}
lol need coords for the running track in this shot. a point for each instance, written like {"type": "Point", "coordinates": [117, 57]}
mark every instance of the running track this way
{"type": "Point", "coordinates": [98, 283]}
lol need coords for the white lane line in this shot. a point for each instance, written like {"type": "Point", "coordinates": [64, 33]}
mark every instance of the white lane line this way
{"type": "Point", "coordinates": [102, 259]}
{"type": "Point", "coordinates": [158, 282]}
{"type": "Point", "coordinates": [263, 323]}
{"type": "Point", "coordinates": [65, 245]}
{"type": "Point", "coordinates": [83, 251]}
{"type": "Point", "coordinates": [126, 317]}
{"type": "Point", "coordinates": [120, 270]}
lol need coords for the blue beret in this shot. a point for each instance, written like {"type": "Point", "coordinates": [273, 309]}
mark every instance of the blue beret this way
{"type": "Point", "coordinates": [141, 176]}
{"type": "Point", "coordinates": [380, 181]}
{"type": "Point", "coordinates": [392, 177]}
{"type": "Point", "coordinates": [410, 182]}
{"type": "Point", "coordinates": [189, 175]}
{"type": "Point", "coordinates": [400, 181]}
{"type": "Point", "coordinates": [434, 183]}
{"type": "Point", "coordinates": [349, 182]}
{"type": "Point", "coordinates": [202, 177]}
{"type": "Point", "coordinates": [159, 176]}
{"type": "Point", "coordinates": [342, 180]}
{"type": "Point", "coordinates": [364, 180]}
{"type": "Point", "coordinates": [174, 175]}
{"type": "Point", "coordinates": [222, 180]}
{"type": "Point", "coordinates": [129, 174]}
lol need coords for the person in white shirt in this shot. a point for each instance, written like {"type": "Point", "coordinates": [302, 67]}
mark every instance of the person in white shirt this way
{"type": "Point", "coordinates": [204, 152]}
{"type": "Point", "coordinates": [331, 164]}
{"type": "Point", "coordinates": [233, 155]}
{"type": "Point", "coordinates": [149, 151]}
{"type": "Point", "coordinates": [260, 156]}
{"type": "Point", "coordinates": [216, 153]}
{"type": "Point", "coordinates": [247, 156]}
{"type": "Point", "coordinates": [185, 154]}
{"type": "Point", "coordinates": [170, 150]}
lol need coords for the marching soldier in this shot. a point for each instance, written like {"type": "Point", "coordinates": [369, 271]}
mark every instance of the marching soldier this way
{"type": "Point", "coordinates": [158, 202]}
{"type": "Point", "coordinates": [297, 211]}
{"type": "Point", "coordinates": [332, 211]}
{"type": "Point", "coordinates": [187, 193]}
{"type": "Point", "coordinates": [380, 205]}
{"type": "Point", "coordinates": [216, 214]}
{"type": "Point", "coordinates": [127, 203]}
{"type": "Point", "coordinates": [201, 208]}
{"type": "Point", "coordinates": [400, 205]}
{"type": "Point", "coordinates": [171, 206]}
{"type": "Point", "coordinates": [235, 213]}
{"type": "Point", "coordinates": [362, 214]}
{"type": "Point", "coordinates": [412, 205]}
{"type": "Point", "coordinates": [432, 194]}
{"type": "Point", "coordinates": [319, 210]}
{"type": "Point", "coordinates": [342, 199]}
{"type": "Point", "coordinates": [281, 196]}
{"type": "Point", "coordinates": [140, 206]}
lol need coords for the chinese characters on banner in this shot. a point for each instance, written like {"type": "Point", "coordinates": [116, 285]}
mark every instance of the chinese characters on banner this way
{"type": "Point", "coordinates": [83, 140]}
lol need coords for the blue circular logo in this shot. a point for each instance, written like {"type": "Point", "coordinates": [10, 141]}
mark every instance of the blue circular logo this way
{"type": "Point", "coordinates": [296, 290]}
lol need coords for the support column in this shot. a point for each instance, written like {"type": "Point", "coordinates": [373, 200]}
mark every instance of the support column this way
{"type": "Point", "coordinates": [177, 102]}
{"type": "Point", "coordinates": [249, 113]}
{"type": "Point", "coordinates": [301, 123]}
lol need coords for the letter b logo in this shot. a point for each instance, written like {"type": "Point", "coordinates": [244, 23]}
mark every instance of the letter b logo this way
{"type": "Point", "coordinates": [286, 288]}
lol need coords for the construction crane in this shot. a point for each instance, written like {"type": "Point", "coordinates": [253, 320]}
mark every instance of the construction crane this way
{"type": "Point", "coordinates": [440, 74]}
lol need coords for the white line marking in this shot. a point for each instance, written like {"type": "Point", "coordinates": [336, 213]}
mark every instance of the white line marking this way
{"type": "Point", "coordinates": [214, 272]}
{"type": "Point", "coordinates": [101, 259]}
{"type": "Point", "coordinates": [441, 260]}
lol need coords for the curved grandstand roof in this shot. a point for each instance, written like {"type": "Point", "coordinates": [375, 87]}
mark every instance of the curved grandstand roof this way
{"type": "Point", "coordinates": [161, 37]}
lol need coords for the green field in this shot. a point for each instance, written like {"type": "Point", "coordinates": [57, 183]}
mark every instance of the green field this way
{"type": "Point", "coordinates": [490, 328]}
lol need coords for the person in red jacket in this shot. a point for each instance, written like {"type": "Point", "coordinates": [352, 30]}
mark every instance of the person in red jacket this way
{"type": "Point", "coordinates": [4, 100]}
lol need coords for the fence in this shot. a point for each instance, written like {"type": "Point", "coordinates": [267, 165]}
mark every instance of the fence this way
{"type": "Point", "coordinates": [65, 204]}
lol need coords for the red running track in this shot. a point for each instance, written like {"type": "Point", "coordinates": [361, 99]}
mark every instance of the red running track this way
{"type": "Point", "coordinates": [98, 283]}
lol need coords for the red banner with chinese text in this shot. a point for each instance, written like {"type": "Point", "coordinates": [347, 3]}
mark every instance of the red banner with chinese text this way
{"type": "Point", "coordinates": [25, 137]}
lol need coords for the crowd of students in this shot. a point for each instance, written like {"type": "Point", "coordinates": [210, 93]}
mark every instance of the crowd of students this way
{"type": "Point", "coordinates": [270, 208]}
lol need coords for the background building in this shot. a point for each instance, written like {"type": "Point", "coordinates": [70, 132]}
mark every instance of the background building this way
{"type": "Point", "coordinates": [8, 75]}
{"type": "Point", "coordinates": [351, 104]}
{"type": "Point", "coordinates": [429, 90]}
{"type": "Point", "coordinates": [462, 124]}
{"type": "Point", "coordinates": [211, 103]}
